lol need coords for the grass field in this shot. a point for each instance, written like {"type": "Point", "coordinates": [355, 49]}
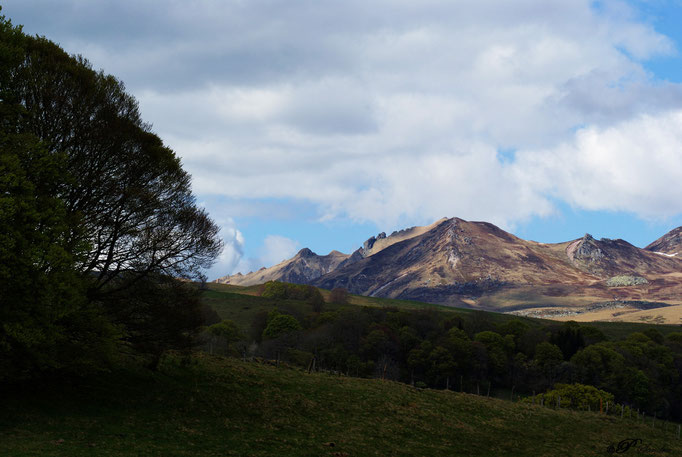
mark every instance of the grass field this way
{"type": "Point", "coordinates": [223, 407]}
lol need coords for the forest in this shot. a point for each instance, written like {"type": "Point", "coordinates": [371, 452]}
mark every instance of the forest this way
{"type": "Point", "coordinates": [469, 351]}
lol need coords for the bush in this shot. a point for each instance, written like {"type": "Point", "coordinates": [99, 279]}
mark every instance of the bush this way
{"type": "Point", "coordinates": [280, 324]}
{"type": "Point", "coordinates": [575, 396]}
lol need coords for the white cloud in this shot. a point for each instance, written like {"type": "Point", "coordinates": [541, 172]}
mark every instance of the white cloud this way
{"type": "Point", "coordinates": [275, 249]}
{"type": "Point", "coordinates": [231, 258]}
{"type": "Point", "coordinates": [635, 165]}
{"type": "Point", "coordinates": [392, 111]}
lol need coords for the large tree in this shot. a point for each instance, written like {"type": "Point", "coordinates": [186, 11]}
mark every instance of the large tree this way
{"type": "Point", "coordinates": [94, 210]}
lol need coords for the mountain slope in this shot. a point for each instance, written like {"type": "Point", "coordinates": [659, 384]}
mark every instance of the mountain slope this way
{"type": "Point", "coordinates": [607, 257]}
{"type": "Point", "coordinates": [303, 268]}
{"type": "Point", "coordinates": [476, 264]}
{"type": "Point", "coordinates": [669, 244]}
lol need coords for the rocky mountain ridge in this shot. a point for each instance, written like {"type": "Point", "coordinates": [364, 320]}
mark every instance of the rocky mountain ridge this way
{"type": "Point", "coordinates": [461, 263]}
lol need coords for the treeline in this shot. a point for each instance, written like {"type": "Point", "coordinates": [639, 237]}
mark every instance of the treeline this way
{"type": "Point", "coordinates": [474, 352]}
{"type": "Point", "coordinates": [97, 220]}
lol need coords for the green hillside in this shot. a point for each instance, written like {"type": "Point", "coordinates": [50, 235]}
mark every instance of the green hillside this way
{"type": "Point", "coordinates": [241, 304]}
{"type": "Point", "coordinates": [219, 407]}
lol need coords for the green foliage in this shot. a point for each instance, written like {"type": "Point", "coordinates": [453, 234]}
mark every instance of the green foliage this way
{"type": "Point", "coordinates": [569, 338]}
{"type": "Point", "coordinates": [285, 291]}
{"type": "Point", "coordinates": [497, 349]}
{"type": "Point", "coordinates": [548, 356]}
{"type": "Point", "coordinates": [46, 323]}
{"type": "Point", "coordinates": [599, 365]}
{"type": "Point", "coordinates": [275, 289]}
{"type": "Point", "coordinates": [576, 396]}
{"type": "Point", "coordinates": [96, 216]}
{"type": "Point", "coordinates": [225, 329]}
{"type": "Point", "coordinates": [222, 335]}
{"type": "Point", "coordinates": [279, 325]}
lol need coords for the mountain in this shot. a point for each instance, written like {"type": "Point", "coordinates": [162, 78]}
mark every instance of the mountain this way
{"type": "Point", "coordinates": [303, 268]}
{"type": "Point", "coordinates": [307, 266]}
{"type": "Point", "coordinates": [669, 244]}
{"type": "Point", "coordinates": [476, 264]}
{"type": "Point", "coordinates": [457, 259]}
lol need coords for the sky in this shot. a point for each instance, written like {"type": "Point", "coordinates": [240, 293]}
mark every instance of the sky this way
{"type": "Point", "coordinates": [319, 123]}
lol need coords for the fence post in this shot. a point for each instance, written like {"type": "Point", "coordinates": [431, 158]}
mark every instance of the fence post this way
{"type": "Point", "coordinates": [607, 408]}
{"type": "Point", "coordinates": [678, 431]}
{"type": "Point", "coordinates": [622, 409]}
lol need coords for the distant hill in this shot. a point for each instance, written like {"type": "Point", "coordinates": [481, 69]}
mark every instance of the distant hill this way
{"type": "Point", "coordinates": [476, 264]}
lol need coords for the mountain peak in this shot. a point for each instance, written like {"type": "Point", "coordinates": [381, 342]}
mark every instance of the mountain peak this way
{"type": "Point", "coordinates": [669, 244]}
{"type": "Point", "coordinates": [305, 252]}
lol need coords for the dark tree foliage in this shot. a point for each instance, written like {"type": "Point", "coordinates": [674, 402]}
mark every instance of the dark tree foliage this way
{"type": "Point", "coordinates": [129, 198]}
{"type": "Point", "coordinates": [96, 216]}
{"type": "Point", "coordinates": [158, 313]}
{"type": "Point", "coordinates": [569, 338]}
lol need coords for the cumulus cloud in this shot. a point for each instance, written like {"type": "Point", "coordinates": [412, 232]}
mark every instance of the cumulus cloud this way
{"type": "Point", "coordinates": [394, 111]}
{"type": "Point", "coordinates": [275, 249]}
{"type": "Point", "coordinates": [634, 165]}
{"type": "Point", "coordinates": [231, 258]}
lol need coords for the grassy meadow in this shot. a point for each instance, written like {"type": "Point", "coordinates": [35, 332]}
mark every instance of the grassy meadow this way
{"type": "Point", "coordinates": [220, 407]}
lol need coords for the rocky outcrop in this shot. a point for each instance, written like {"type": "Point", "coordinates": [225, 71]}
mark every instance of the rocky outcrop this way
{"type": "Point", "coordinates": [626, 280]}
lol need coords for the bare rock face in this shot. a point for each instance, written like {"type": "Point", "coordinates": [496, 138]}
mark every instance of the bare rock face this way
{"type": "Point", "coordinates": [587, 255]}
{"type": "Point", "coordinates": [588, 250]}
